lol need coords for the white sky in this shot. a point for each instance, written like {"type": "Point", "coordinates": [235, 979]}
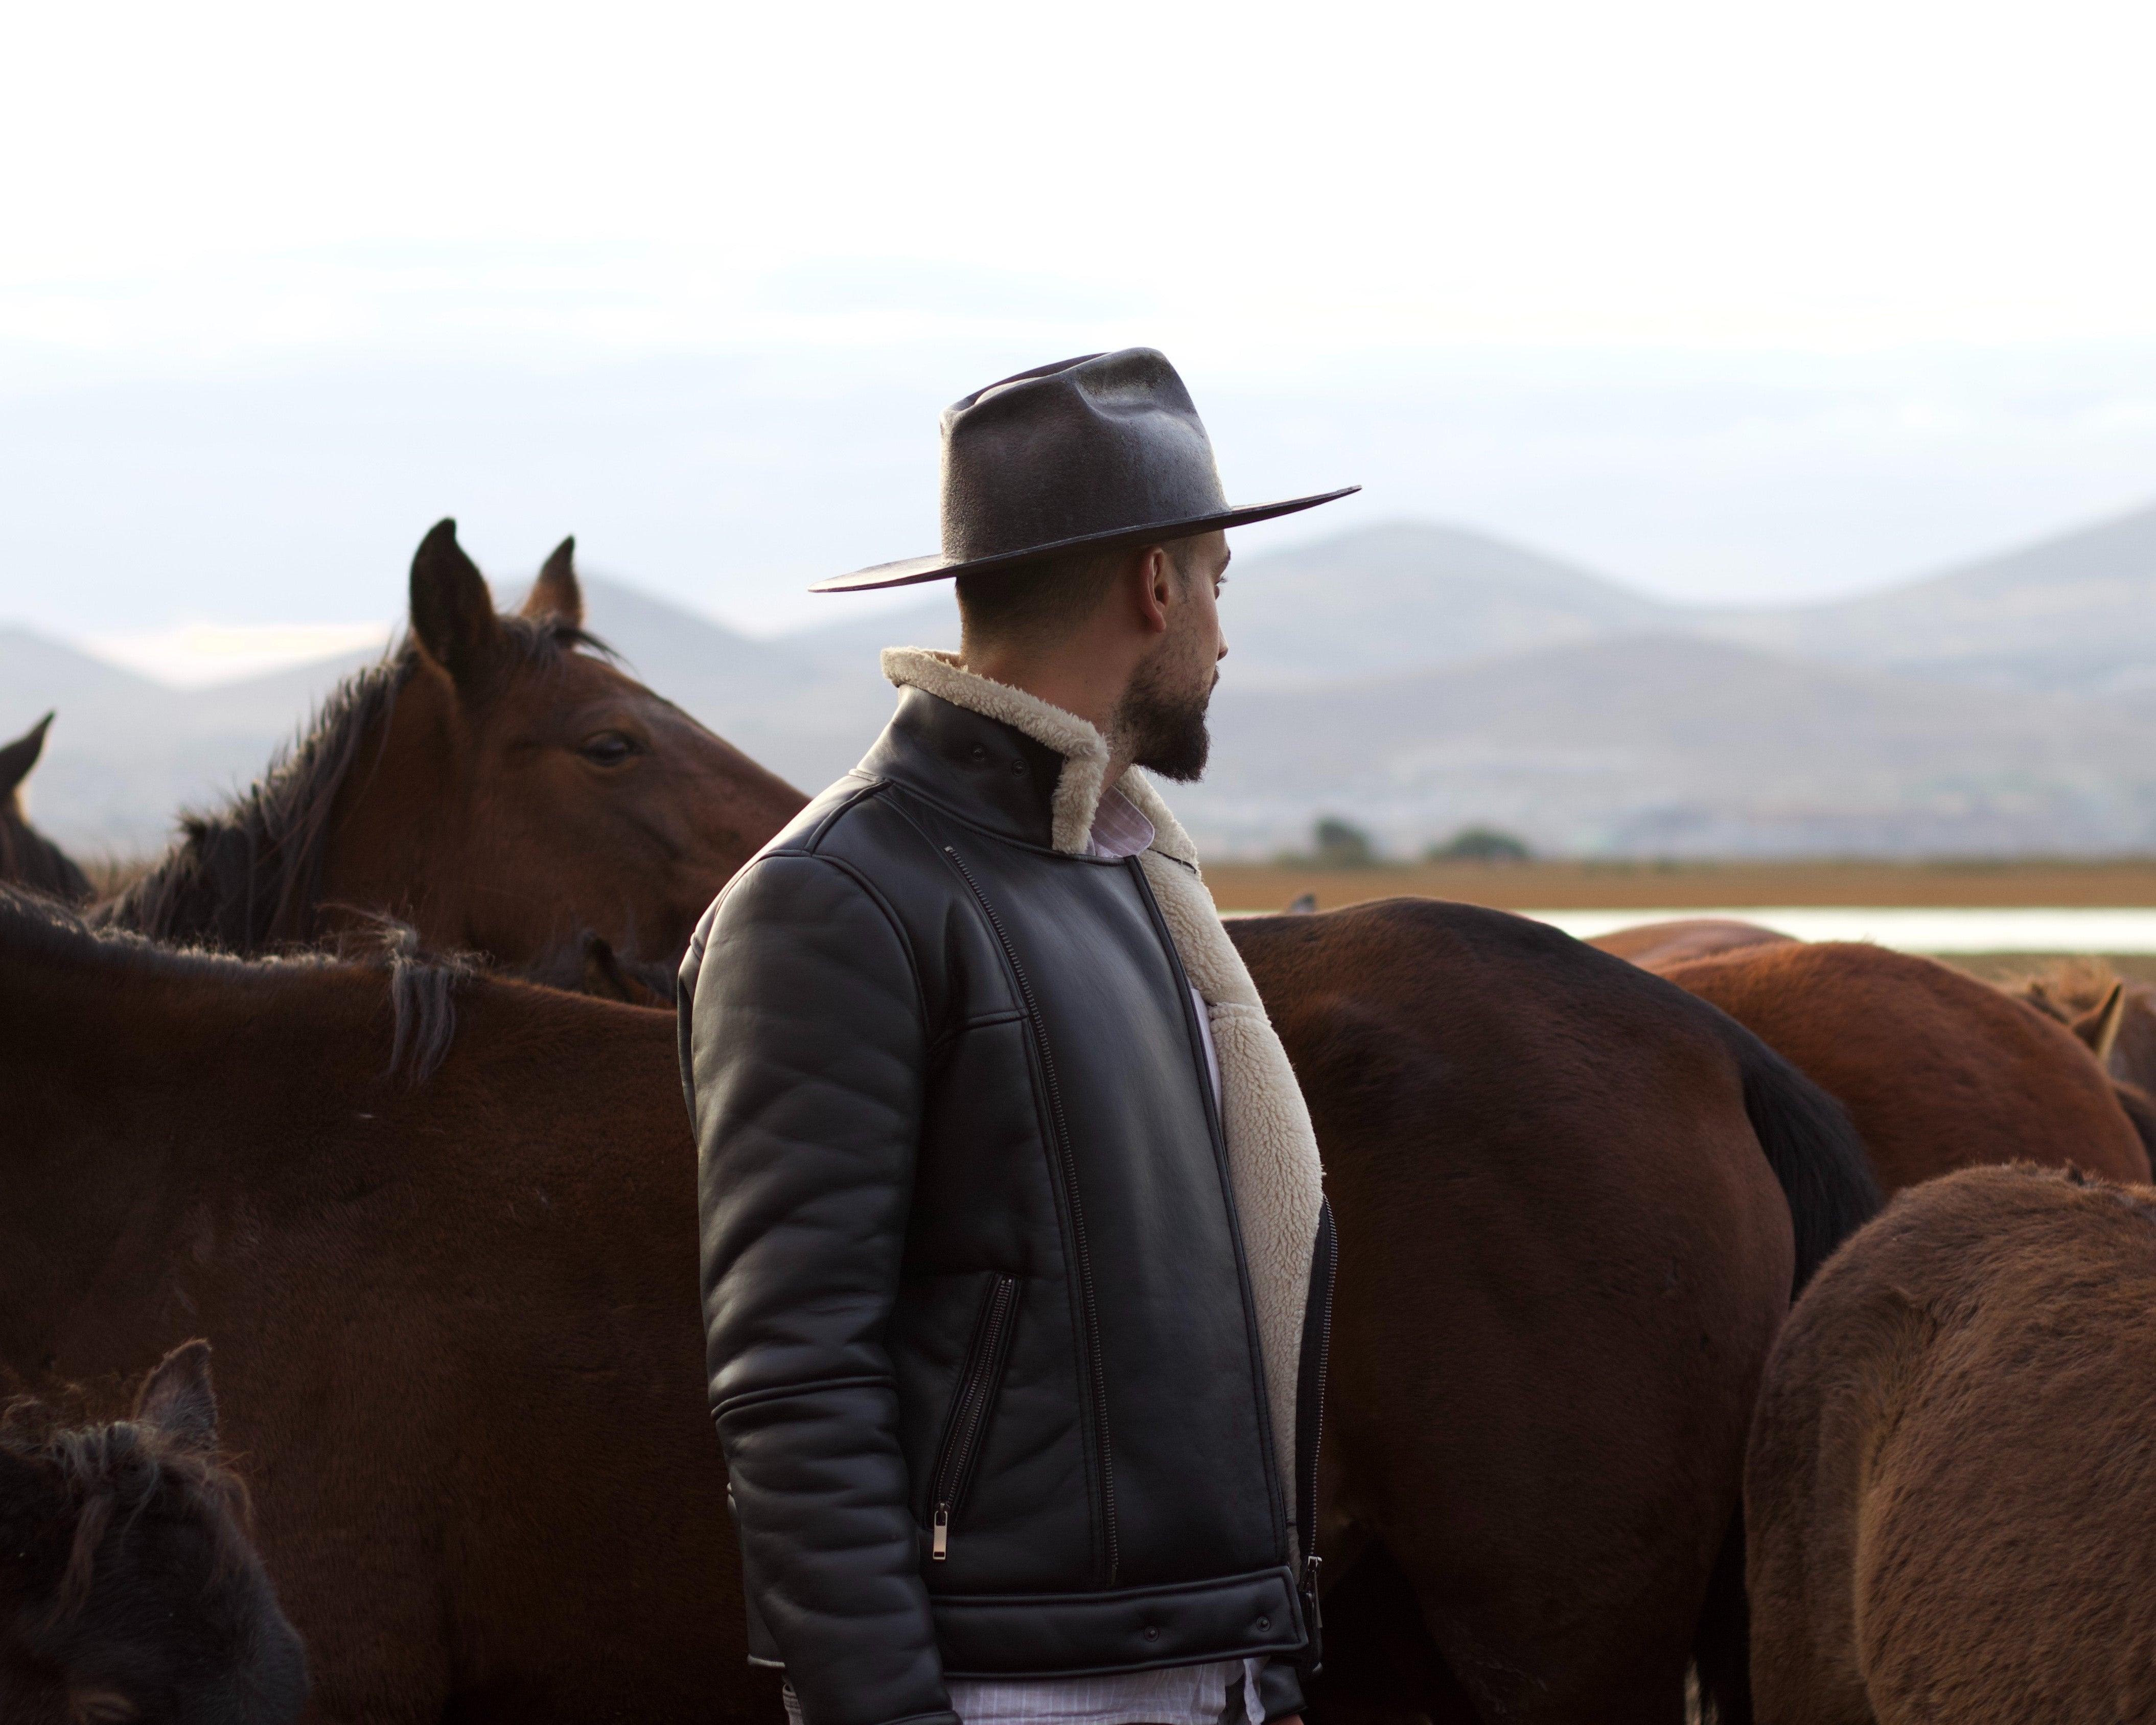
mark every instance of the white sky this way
{"type": "Point", "coordinates": [1735, 301]}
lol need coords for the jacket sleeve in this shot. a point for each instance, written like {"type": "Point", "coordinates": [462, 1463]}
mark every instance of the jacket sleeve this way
{"type": "Point", "coordinates": [806, 1048]}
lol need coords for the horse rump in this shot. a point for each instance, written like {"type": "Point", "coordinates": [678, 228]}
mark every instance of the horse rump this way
{"type": "Point", "coordinates": [1821, 1165]}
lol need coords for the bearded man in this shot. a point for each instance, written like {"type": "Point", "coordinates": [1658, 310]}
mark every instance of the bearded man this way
{"type": "Point", "coordinates": [1016, 1269]}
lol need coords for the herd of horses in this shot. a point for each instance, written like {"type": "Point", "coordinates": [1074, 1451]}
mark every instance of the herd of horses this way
{"type": "Point", "coordinates": [371, 1085]}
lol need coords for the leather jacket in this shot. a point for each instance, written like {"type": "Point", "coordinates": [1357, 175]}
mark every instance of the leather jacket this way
{"type": "Point", "coordinates": [981, 1350]}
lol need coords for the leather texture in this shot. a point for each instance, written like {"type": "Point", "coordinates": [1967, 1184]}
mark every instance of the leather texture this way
{"type": "Point", "coordinates": [970, 1253]}
{"type": "Point", "coordinates": [1094, 452]}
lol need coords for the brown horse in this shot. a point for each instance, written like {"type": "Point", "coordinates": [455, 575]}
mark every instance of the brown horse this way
{"type": "Point", "coordinates": [492, 784]}
{"type": "Point", "coordinates": [1572, 1203]}
{"type": "Point", "coordinates": [1939, 1070]}
{"type": "Point", "coordinates": [461, 1332]}
{"type": "Point", "coordinates": [27, 857]}
{"type": "Point", "coordinates": [1949, 1491]}
{"type": "Point", "coordinates": [457, 1324]}
{"type": "Point", "coordinates": [128, 1587]}
{"type": "Point", "coordinates": [1656, 945]}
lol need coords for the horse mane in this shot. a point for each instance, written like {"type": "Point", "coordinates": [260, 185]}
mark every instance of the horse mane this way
{"type": "Point", "coordinates": [422, 985]}
{"type": "Point", "coordinates": [111, 1473]}
{"type": "Point", "coordinates": [246, 877]}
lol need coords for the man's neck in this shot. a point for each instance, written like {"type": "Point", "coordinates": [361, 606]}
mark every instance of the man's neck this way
{"type": "Point", "coordinates": [1077, 688]}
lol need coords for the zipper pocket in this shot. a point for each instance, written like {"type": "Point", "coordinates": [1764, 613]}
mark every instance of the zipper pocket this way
{"type": "Point", "coordinates": [1103, 1456]}
{"type": "Point", "coordinates": [978, 1383]}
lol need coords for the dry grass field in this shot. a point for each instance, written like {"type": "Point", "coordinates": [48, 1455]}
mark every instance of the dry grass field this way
{"type": "Point", "coordinates": [1651, 886]}
{"type": "Point", "coordinates": [1654, 888]}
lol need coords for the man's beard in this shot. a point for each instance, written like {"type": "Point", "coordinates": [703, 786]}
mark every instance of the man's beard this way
{"type": "Point", "coordinates": [1164, 729]}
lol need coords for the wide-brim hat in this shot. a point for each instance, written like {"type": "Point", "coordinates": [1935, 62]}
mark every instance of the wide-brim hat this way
{"type": "Point", "coordinates": [1103, 450]}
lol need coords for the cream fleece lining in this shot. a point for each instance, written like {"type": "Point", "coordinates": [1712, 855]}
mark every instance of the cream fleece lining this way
{"type": "Point", "coordinates": [1272, 1153]}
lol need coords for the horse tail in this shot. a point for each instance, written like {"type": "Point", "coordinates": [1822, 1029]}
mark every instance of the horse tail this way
{"type": "Point", "coordinates": [1826, 1176]}
{"type": "Point", "coordinates": [1818, 1160]}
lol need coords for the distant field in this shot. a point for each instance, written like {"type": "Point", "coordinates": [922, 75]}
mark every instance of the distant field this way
{"type": "Point", "coordinates": [1652, 887]}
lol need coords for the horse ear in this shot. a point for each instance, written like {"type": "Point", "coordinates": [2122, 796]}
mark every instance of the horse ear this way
{"type": "Point", "coordinates": [177, 1399]}
{"type": "Point", "coordinates": [452, 611]}
{"type": "Point", "coordinates": [20, 756]}
{"type": "Point", "coordinates": [2098, 1027]}
{"type": "Point", "coordinates": [556, 593]}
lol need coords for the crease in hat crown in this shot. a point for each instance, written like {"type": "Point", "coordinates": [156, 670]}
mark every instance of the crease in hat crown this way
{"type": "Point", "coordinates": [1099, 450]}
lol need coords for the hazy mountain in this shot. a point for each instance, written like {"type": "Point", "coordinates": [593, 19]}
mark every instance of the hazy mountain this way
{"type": "Point", "coordinates": [1404, 596]}
{"type": "Point", "coordinates": [2075, 613]}
{"type": "Point", "coordinates": [1670, 744]}
{"type": "Point", "coordinates": [1415, 679]}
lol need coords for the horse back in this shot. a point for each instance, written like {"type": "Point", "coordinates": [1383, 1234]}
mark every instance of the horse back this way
{"type": "Point", "coordinates": [1946, 1493]}
{"type": "Point", "coordinates": [1937, 1070]}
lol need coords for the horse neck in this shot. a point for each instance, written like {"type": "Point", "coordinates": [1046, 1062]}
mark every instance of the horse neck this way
{"type": "Point", "coordinates": [398, 836]}
{"type": "Point", "coordinates": [151, 1098]}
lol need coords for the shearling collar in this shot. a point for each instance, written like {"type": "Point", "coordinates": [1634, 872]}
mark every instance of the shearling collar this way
{"type": "Point", "coordinates": [1083, 780]}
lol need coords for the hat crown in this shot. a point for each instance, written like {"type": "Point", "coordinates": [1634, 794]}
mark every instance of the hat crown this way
{"type": "Point", "coordinates": [1103, 443]}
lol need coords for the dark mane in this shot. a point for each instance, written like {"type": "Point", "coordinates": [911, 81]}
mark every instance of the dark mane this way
{"type": "Point", "coordinates": [422, 985]}
{"type": "Point", "coordinates": [101, 1474]}
{"type": "Point", "coordinates": [246, 877]}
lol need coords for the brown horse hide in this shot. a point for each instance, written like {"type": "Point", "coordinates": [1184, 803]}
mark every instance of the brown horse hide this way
{"type": "Point", "coordinates": [1939, 1070]}
{"type": "Point", "coordinates": [457, 1326]}
{"type": "Point", "coordinates": [1657, 945]}
{"type": "Point", "coordinates": [1572, 1202]}
{"type": "Point", "coordinates": [459, 1336]}
{"type": "Point", "coordinates": [1948, 1493]}
{"type": "Point", "coordinates": [27, 857]}
{"type": "Point", "coordinates": [496, 784]}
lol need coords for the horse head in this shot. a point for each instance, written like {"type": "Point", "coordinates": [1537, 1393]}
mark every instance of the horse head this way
{"type": "Point", "coordinates": [27, 856]}
{"type": "Point", "coordinates": [129, 1588]}
{"type": "Point", "coordinates": [497, 783]}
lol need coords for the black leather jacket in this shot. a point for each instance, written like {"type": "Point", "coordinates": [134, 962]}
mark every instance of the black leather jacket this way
{"type": "Point", "coordinates": [982, 1356]}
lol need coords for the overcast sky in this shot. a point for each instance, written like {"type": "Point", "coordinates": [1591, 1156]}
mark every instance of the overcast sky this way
{"type": "Point", "coordinates": [1736, 303]}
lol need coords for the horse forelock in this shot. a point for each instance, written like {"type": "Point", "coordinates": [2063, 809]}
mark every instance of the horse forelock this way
{"type": "Point", "coordinates": [247, 874]}
{"type": "Point", "coordinates": [106, 1476]}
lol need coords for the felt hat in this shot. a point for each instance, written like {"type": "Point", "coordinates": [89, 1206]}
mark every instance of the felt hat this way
{"type": "Point", "coordinates": [1100, 451]}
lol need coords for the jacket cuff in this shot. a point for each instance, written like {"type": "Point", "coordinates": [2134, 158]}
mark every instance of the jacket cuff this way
{"type": "Point", "coordinates": [1280, 1691]}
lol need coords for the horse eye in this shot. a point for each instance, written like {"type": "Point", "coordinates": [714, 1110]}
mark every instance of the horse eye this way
{"type": "Point", "coordinates": [608, 748]}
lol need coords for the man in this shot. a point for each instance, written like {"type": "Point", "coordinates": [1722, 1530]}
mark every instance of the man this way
{"type": "Point", "coordinates": [1015, 1269]}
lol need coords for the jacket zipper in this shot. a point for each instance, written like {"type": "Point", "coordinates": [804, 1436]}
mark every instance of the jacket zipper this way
{"type": "Point", "coordinates": [1070, 1175]}
{"type": "Point", "coordinates": [969, 1414]}
{"type": "Point", "coordinates": [1278, 1485]}
{"type": "Point", "coordinates": [1306, 1504]}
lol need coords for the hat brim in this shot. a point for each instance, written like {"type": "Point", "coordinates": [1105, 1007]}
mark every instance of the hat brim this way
{"type": "Point", "coordinates": [907, 570]}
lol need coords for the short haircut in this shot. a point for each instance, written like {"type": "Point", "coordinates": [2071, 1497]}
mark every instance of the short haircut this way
{"type": "Point", "coordinates": [1047, 596]}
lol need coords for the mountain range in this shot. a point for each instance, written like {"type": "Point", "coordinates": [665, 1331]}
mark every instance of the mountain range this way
{"type": "Point", "coordinates": [1415, 679]}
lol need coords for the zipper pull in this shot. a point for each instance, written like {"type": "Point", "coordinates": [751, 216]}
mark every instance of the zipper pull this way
{"type": "Point", "coordinates": [940, 1548]}
{"type": "Point", "coordinates": [1313, 1614]}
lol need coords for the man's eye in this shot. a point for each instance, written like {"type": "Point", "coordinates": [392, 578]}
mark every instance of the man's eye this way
{"type": "Point", "coordinates": [608, 748]}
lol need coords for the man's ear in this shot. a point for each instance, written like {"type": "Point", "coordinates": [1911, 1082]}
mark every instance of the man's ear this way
{"type": "Point", "coordinates": [176, 1398]}
{"type": "Point", "coordinates": [1157, 587]}
{"type": "Point", "coordinates": [452, 611]}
